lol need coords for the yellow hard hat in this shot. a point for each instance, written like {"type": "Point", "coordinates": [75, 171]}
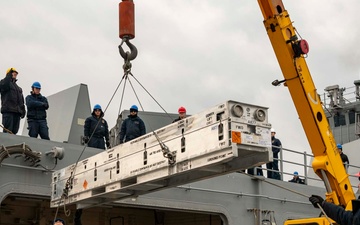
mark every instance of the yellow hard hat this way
{"type": "Point", "coordinates": [13, 69]}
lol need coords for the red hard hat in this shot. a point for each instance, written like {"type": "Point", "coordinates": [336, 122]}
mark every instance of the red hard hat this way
{"type": "Point", "coordinates": [182, 110]}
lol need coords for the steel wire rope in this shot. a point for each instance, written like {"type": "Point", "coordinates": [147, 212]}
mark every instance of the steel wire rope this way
{"type": "Point", "coordinates": [262, 178]}
{"type": "Point", "coordinates": [7, 130]}
{"type": "Point", "coordinates": [24, 150]}
{"type": "Point", "coordinates": [46, 169]}
{"type": "Point", "coordinates": [125, 77]}
{"type": "Point", "coordinates": [122, 95]}
{"type": "Point", "coordinates": [127, 68]}
{"type": "Point", "coordinates": [166, 151]}
{"type": "Point", "coordinates": [151, 96]}
{"type": "Point", "coordinates": [67, 212]}
{"type": "Point", "coordinates": [69, 180]}
{"type": "Point", "coordinates": [136, 95]}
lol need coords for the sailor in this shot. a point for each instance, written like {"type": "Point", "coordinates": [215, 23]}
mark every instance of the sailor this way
{"type": "Point", "coordinates": [59, 221]}
{"type": "Point", "coordinates": [77, 217]}
{"type": "Point", "coordinates": [259, 171]}
{"type": "Point", "coordinates": [338, 213]}
{"type": "Point", "coordinates": [274, 165]}
{"type": "Point", "coordinates": [297, 179]}
{"type": "Point", "coordinates": [12, 102]}
{"type": "Point", "coordinates": [344, 157]}
{"type": "Point", "coordinates": [37, 105]}
{"type": "Point", "coordinates": [132, 127]}
{"type": "Point", "coordinates": [182, 114]}
{"type": "Point", "coordinates": [96, 129]}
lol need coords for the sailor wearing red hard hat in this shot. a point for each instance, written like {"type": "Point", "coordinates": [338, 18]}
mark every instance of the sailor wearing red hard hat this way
{"type": "Point", "coordinates": [182, 114]}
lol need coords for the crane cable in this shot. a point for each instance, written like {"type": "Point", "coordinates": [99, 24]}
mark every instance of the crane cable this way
{"type": "Point", "coordinates": [127, 69]}
{"type": "Point", "coordinates": [165, 150]}
{"type": "Point", "coordinates": [127, 72]}
{"type": "Point", "coordinates": [70, 179]}
{"type": "Point", "coordinates": [126, 32]}
{"type": "Point", "coordinates": [7, 130]}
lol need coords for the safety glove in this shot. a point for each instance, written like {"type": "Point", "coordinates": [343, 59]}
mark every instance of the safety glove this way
{"type": "Point", "coordinates": [315, 200]}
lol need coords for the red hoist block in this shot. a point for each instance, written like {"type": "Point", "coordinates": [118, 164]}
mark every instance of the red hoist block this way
{"type": "Point", "coordinates": [127, 19]}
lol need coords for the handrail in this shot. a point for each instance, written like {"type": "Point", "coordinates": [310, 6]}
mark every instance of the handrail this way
{"type": "Point", "coordinates": [303, 166]}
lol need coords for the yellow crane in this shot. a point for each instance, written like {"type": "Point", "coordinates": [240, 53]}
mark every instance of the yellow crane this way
{"type": "Point", "coordinates": [290, 52]}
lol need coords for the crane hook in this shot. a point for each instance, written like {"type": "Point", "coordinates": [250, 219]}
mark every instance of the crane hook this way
{"type": "Point", "coordinates": [128, 56]}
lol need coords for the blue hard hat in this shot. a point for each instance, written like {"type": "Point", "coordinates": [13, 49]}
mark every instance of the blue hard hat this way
{"type": "Point", "coordinates": [296, 173]}
{"type": "Point", "coordinates": [134, 107]}
{"type": "Point", "coordinates": [339, 146]}
{"type": "Point", "coordinates": [97, 106]}
{"type": "Point", "coordinates": [36, 85]}
{"type": "Point", "coordinates": [59, 220]}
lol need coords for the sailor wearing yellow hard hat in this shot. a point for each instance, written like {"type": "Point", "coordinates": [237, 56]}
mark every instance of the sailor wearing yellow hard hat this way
{"type": "Point", "coordinates": [12, 102]}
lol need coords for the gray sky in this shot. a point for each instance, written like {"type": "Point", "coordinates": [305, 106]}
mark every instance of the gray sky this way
{"type": "Point", "coordinates": [191, 53]}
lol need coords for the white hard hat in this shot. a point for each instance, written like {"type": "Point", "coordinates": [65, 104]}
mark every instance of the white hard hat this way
{"type": "Point", "coordinates": [273, 130]}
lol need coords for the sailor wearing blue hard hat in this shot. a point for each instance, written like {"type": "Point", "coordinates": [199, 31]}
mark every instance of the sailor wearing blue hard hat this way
{"type": "Point", "coordinates": [132, 127]}
{"type": "Point", "coordinates": [96, 129]}
{"type": "Point", "coordinates": [344, 158]}
{"type": "Point", "coordinates": [134, 108]}
{"type": "Point", "coordinates": [37, 105]}
{"type": "Point", "coordinates": [59, 221]}
{"type": "Point", "coordinates": [297, 179]}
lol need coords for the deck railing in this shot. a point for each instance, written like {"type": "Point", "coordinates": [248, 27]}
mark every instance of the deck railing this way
{"type": "Point", "coordinates": [291, 161]}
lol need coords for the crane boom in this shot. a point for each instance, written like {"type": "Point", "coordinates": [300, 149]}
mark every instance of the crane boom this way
{"type": "Point", "coordinates": [290, 52]}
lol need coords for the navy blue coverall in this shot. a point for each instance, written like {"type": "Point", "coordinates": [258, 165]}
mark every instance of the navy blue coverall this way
{"type": "Point", "coordinates": [101, 131]}
{"type": "Point", "coordinates": [36, 116]}
{"type": "Point", "coordinates": [340, 215]}
{"type": "Point", "coordinates": [12, 103]}
{"type": "Point", "coordinates": [276, 145]}
{"type": "Point", "coordinates": [131, 128]}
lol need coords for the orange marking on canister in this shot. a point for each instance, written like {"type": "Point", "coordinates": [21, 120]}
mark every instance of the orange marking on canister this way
{"type": "Point", "coordinates": [236, 137]}
{"type": "Point", "coordinates": [127, 19]}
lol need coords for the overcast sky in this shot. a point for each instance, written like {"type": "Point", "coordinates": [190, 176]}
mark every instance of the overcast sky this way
{"type": "Point", "coordinates": [192, 53]}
